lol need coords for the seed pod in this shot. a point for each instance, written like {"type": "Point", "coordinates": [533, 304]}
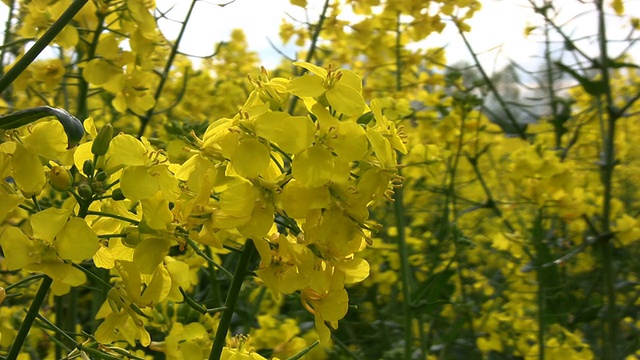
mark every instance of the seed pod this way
{"type": "Point", "coordinates": [60, 178]}
{"type": "Point", "coordinates": [101, 143]}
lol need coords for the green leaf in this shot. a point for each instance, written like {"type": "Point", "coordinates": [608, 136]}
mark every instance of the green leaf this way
{"type": "Point", "coordinates": [72, 126]}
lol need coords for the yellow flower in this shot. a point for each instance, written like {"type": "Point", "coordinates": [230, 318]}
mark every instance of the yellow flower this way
{"type": "Point", "coordinates": [144, 290]}
{"type": "Point", "coordinates": [45, 139]}
{"type": "Point", "coordinates": [387, 128]}
{"type": "Point", "coordinates": [340, 89]}
{"type": "Point", "coordinates": [189, 341]}
{"type": "Point", "coordinates": [55, 238]}
{"type": "Point", "coordinates": [240, 350]}
{"type": "Point", "coordinates": [285, 265]}
{"type": "Point", "coordinates": [327, 307]}
{"type": "Point", "coordinates": [135, 93]}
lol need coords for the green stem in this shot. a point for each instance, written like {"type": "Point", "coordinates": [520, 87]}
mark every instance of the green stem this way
{"type": "Point", "coordinates": [232, 297]}
{"type": "Point", "coordinates": [71, 300]}
{"type": "Point", "coordinates": [59, 307]}
{"type": "Point", "coordinates": [399, 211]}
{"type": "Point", "coordinates": [538, 239]}
{"type": "Point", "coordinates": [41, 295]}
{"type": "Point", "coordinates": [114, 216]}
{"type": "Point", "coordinates": [403, 254]}
{"type": "Point", "coordinates": [216, 298]}
{"type": "Point", "coordinates": [312, 49]}
{"type": "Point", "coordinates": [512, 119]}
{"type": "Point", "coordinates": [144, 120]}
{"type": "Point", "coordinates": [83, 85]}
{"type": "Point", "coordinates": [41, 43]}
{"type": "Point", "coordinates": [344, 348]}
{"type": "Point", "coordinates": [7, 34]}
{"type": "Point", "coordinates": [99, 296]}
{"type": "Point", "coordinates": [209, 260]}
{"type": "Point", "coordinates": [24, 281]}
{"type": "Point", "coordinates": [609, 163]}
{"type": "Point", "coordinates": [550, 81]}
{"type": "Point", "coordinates": [96, 353]}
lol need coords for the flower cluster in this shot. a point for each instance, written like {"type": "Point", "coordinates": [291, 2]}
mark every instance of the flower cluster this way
{"type": "Point", "coordinates": [298, 186]}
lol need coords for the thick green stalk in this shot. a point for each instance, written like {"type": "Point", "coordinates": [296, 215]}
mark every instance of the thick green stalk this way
{"type": "Point", "coordinates": [41, 43]}
{"type": "Point", "coordinates": [538, 239]}
{"type": "Point", "coordinates": [41, 295]}
{"type": "Point", "coordinates": [232, 297]}
{"type": "Point", "coordinates": [399, 212]}
{"type": "Point", "coordinates": [611, 334]}
{"type": "Point", "coordinates": [215, 299]}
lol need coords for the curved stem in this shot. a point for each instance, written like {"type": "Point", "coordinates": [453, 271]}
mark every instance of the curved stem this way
{"type": "Point", "coordinates": [232, 297]}
{"type": "Point", "coordinates": [30, 318]}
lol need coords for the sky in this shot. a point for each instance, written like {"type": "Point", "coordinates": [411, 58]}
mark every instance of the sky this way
{"type": "Point", "coordinates": [497, 30]}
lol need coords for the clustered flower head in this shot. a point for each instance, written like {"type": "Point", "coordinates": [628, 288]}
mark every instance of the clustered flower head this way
{"type": "Point", "coordinates": [299, 186]}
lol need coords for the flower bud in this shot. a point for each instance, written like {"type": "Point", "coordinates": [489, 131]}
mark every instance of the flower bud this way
{"type": "Point", "coordinates": [85, 191]}
{"type": "Point", "coordinates": [365, 118]}
{"type": "Point", "coordinates": [132, 239]}
{"type": "Point", "coordinates": [60, 178]}
{"type": "Point", "coordinates": [101, 176]}
{"type": "Point", "coordinates": [170, 309]}
{"type": "Point", "coordinates": [101, 143]}
{"type": "Point", "coordinates": [87, 167]}
{"type": "Point", "coordinates": [117, 195]}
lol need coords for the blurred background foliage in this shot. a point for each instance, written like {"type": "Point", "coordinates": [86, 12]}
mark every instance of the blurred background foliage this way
{"type": "Point", "coordinates": [515, 234]}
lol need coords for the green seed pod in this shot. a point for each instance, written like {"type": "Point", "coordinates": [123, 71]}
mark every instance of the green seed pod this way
{"type": "Point", "coordinates": [101, 143]}
{"type": "Point", "coordinates": [60, 178]}
{"type": "Point", "coordinates": [85, 191]}
{"type": "Point", "coordinates": [87, 167]}
{"type": "Point", "coordinates": [117, 195]}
